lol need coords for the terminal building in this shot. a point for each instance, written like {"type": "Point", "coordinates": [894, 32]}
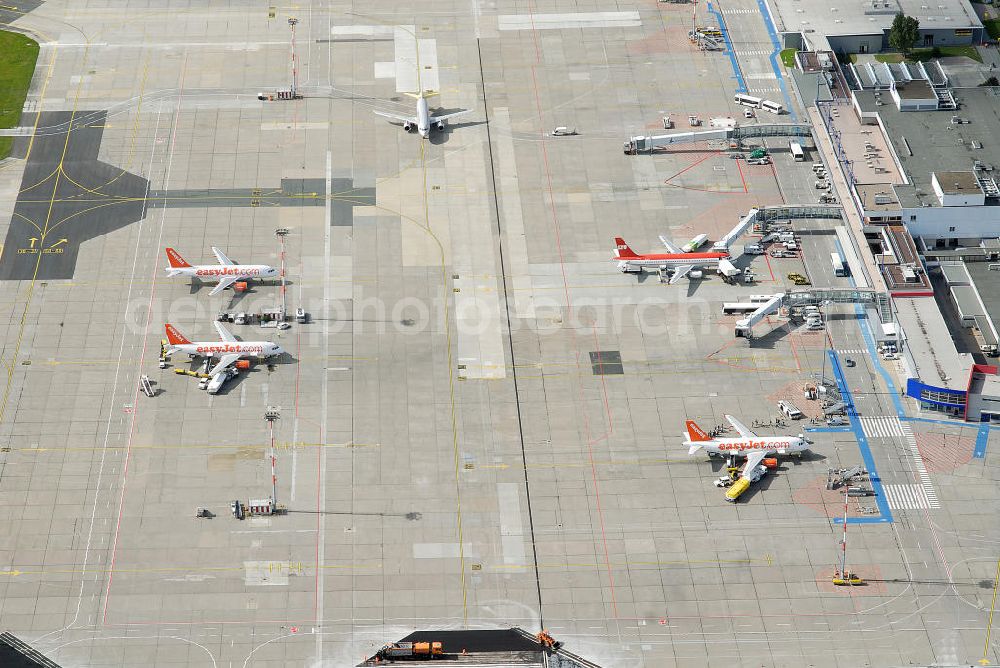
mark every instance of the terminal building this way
{"type": "Point", "coordinates": [863, 27]}
{"type": "Point", "coordinates": [948, 159]}
{"type": "Point", "coordinates": [919, 146]}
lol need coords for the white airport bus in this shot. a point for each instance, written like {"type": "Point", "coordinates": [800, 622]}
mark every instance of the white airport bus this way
{"type": "Point", "coordinates": [796, 148]}
{"type": "Point", "coordinates": [838, 265]}
{"type": "Point", "coordinates": [772, 107]}
{"type": "Point", "coordinates": [747, 100]}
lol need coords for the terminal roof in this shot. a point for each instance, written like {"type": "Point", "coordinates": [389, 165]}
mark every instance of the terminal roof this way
{"type": "Point", "coordinates": [932, 349]}
{"type": "Point", "coordinates": [872, 17]}
{"type": "Point", "coordinates": [938, 145]}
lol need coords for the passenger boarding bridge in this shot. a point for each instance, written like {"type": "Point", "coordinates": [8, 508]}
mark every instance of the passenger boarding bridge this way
{"type": "Point", "coordinates": [770, 214]}
{"type": "Point", "coordinates": [649, 143]}
{"type": "Point", "coordinates": [811, 297]}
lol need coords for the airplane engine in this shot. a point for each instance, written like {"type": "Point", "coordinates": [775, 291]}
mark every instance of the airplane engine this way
{"type": "Point", "coordinates": [408, 126]}
{"type": "Point", "coordinates": [439, 125]}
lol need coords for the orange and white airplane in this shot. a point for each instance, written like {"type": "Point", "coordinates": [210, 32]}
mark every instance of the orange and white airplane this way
{"type": "Point", "coordinates": [682, 263]}
{"type": "Point", "coordinates": [226, 272]}
{"type": "Point", "coordinates": [749, 445]}
{"type": "Point", "coordinates": [228, 350]}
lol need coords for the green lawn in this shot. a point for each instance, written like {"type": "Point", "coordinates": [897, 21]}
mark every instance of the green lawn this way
{"type": "Point", "coordinates": [993, 28]}
{"type": "Point", "coordinates": [922, 55]}
{"type": "Point", "coordinates": [788, 57]}
{"type": "Point", "coordinates": [17, 63]}
{"type": "Point", "coordinates": [946, 52]}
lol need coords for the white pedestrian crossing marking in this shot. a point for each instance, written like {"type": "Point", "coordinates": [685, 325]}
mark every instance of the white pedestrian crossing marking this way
{"type": "Point", "coordinates": [918, 462]}
{"type": "Point", "coordinates": [754, 52]}
{"type": "Point", "coordinates": [881, 427]}
{"type": "Point", "coordinates": [728, 12]}
{"type": "Point", "coordinates": [767, 75]}
{"type": "Point", "coordinates": [857, 351]}
{"type": "Point", "coordinates": [906, 497]}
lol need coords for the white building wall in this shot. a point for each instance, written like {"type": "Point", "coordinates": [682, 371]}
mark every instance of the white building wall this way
{"type": "Point", "coordinates": [951, 199]}
{"type": "Point", "coordinates": [935, 222]}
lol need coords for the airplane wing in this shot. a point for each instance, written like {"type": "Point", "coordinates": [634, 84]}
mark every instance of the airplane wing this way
{"type": "Point", "coordinates": [753, 461]}
{"type": "Point", "coordinates": [681, 272]}
{"type": "Point", "coordinates": [445, 117]}
{"type": "Point", "coordinates": [224, 333]}
{"type": "Point", "coordinates": [224, 362]}
{"type": "Point", "coordinates": [224, 283]}
{"type": "Point", "coordinates": [671, 248]}
{"type": "Point", "coordinates": [740, 427]}
{"type": "Point", "coordinates": [399, 118]}
{"type": "Point", "coordinates": [221, 257]}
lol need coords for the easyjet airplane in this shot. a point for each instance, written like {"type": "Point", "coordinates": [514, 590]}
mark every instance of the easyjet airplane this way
{"type": "Point", "coordinates": [228, 350]}
{"type": "Point", "coordinates": [682, 263]}
{"type": "Point", "coordinates": [749, 445]}
{"type": "Point", "coordinates": [226, 272]}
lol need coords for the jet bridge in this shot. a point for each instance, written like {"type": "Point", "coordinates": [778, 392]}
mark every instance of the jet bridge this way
{"type": "Point", "coordinates": [744, 326]}
{"type": "Point", "coordinates": [746, 222]}
{"type": "Point", "coordinates": [650, 143]}
{"type": "Point", "coordinates": [800, 298]}
{"type": "Point", "coordinates": [769, 214]}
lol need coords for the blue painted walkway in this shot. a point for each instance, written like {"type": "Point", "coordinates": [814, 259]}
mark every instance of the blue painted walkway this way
{"type": "Point", "coordinates": [979, 452]}
{"type": "Point", "coordinates": [741, 86]}
{"type": "Point", "coordinates": [775, 58]}
{"type": "Point", "coordinates": [866, 453]}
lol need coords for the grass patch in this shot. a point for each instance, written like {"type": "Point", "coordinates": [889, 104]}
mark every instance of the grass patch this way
{"type": "Point", "coordinates": [923, 55]}
{"type": "Point", "coordinates": [17, 64]}
{"type": "Point", "coordinates": [788, 57]}
{"type": "Point", "coordinates": [889, 57]}
{"type": "Point", "coordinates": [993, 28]}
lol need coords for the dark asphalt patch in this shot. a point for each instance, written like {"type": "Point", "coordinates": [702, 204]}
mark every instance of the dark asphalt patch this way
{"type": "Point", "coordinates": [67, 197]}
{"type": "Point", "coordinates": [12, 10]}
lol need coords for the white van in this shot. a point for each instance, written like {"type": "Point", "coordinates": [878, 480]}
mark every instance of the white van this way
{"type": "Point", "coordinates": [773, 107]}
{"type": "Point", "coordinates": [790, 411]}
{"type": "Point", "coordinates": [753, 249]}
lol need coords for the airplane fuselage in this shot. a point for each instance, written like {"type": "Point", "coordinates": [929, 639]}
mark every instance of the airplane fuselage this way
{"type": "Point", "coordinates": [259, 349]}
{"type": "Point", "coordinates": [674, 260]}
{"type": "Point", "coordinates": [423, 117]}
{"type": "Point", "coordinates": [216, 271]}
{"type": "Point", "coordinates": [740, 447]}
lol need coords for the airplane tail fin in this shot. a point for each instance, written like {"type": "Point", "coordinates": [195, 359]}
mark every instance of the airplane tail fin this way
{"type": "Point", "coordinates": [174, 337]}
{"type": "Point", "coordinates": [175, 259]}
{"type": "Point", "coordinates": [622, 250]}
{"type": "Point", "coordinates": [695, 433]}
